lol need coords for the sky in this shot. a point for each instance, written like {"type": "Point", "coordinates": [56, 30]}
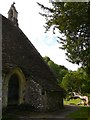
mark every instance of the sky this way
{"type": "Point", "coordinates": [32, 24]}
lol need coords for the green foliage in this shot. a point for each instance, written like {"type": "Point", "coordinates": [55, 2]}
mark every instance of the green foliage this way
{"type": "Point", "coordinates": [73, 20]}
{"type": "Point", "coordinates": [72, 82]}
{"type": "Point", "coordinates": [76, 81]}
{"type": "Point", "coordinates": [47, 59]}
{"type": "Point", "coordinates": [60, 71]}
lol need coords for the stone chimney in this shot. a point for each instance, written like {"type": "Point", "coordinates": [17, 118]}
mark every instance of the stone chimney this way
{"type": "Point", "coordinates": [13, 14]}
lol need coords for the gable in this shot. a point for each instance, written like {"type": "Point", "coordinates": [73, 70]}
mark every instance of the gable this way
{"type": "Point", "coordinates": [18, 51]}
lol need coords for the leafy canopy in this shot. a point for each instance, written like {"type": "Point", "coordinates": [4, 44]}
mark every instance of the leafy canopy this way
{"type": "Point", "coordinates": [73, 20]}
{"type": "Point", "coordinates": [76, 81]}
{"type": "Point", "coordinates": [59, 70]}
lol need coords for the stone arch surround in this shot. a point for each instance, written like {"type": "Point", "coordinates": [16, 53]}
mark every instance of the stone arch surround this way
{"type": "Point", "coordinates": [22, 84]}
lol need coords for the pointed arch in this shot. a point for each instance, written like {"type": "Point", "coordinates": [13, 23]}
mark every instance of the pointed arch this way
{"type": "Point", "coordinates": [22, 84]}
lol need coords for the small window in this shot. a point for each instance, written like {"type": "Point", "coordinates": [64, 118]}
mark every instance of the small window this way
{"type": "Point", "coordinates": [43, 92]}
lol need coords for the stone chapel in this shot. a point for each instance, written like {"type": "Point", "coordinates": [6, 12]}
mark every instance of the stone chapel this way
{"type": "Point", "coordinates": [27, 79]}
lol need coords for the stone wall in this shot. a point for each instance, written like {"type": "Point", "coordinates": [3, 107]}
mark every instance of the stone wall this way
{"type": "Point", "coordinates": [42, 100]}
{"type": "Point", "coordinates": [54, 100]}
{"type": "Point", "coordinates": [34, 97]}
{"type": "Point", "coordinates": [33, 93]}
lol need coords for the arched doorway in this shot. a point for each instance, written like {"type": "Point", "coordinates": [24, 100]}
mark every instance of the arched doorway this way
{"type": "Point", "coordinates": [14, 85]}
{"type": "Point", "coordinates": [13, 90]}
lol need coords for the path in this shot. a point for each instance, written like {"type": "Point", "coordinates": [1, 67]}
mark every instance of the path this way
{"type": "Point", "coordinates": [58, 115]}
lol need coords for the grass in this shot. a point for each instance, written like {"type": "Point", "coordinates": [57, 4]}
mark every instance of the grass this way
{"type": "Point", "coordinates": [82, 114]}
{"type": "Point", "coordinates": [72, 102]}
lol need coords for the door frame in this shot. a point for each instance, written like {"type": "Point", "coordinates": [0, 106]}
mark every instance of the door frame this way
{"type": "Point", "coordinates": [22, 84]}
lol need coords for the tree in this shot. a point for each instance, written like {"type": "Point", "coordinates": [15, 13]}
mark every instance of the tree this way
{"type": "Point", "coordinates": [60, 71]}
{"type": "Point", "coordinates": [76, 81]}
{"type": "Point", "coordinates": [47, 59]}
{"type": "Point", "coordinates": [73, 20]}
{"type": "Point", "coordinates": [69, 82]}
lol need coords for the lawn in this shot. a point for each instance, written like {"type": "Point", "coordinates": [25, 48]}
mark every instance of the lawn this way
{"type": "Point", "coordinates": [82, 114]}
{"type": "Point", "coordinates": [72, 102]}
